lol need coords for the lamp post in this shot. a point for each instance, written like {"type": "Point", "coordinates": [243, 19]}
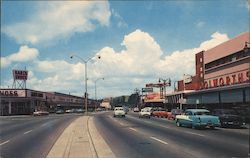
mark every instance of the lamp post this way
{"type": "Point", "coordinates": [86, 83]}
{"type": "Point", "coordinates": [95, 90]}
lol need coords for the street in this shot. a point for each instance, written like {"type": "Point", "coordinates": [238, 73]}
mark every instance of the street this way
{"type": "Point", "coordinates": [158, 137]}
{"type": "Point", "coordinates": [29, 136]}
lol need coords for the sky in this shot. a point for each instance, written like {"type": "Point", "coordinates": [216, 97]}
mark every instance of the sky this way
{"type": "Point", "coordinates": [138, 41]}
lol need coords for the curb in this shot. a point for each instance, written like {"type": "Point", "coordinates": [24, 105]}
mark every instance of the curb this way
{"type": "Point", "coordinates": [80, 140]}
{"type": "Point", "coordinates": [102, 148]}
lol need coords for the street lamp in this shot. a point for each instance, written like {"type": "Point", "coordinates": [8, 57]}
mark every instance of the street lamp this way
{"type": "Point", "coordinates": [86, 86]}
{"type": "Point", "coordinates": [95, 90]}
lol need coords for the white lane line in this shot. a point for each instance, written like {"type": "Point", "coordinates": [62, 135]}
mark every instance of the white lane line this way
{"type": "Point", "coordinates": [163, 142]}
{"type": "Point", "coordinates": [44, 124]}
{"type": "Point", "coordinates": [122, 124]}
{"type": "Point", "coordinates": [4, 142]}
{"type": "Point", "coordinates": [133, 129]}
{"type": "Point", "coordinates": [27, 132]}
{"type": "Point", "coordinates": [201, 135]}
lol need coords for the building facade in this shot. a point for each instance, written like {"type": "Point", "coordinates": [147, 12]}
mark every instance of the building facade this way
{"type": "Point", "coordinates": [26, 101]}
{"type": "Point", "coordinates": [222, 78]}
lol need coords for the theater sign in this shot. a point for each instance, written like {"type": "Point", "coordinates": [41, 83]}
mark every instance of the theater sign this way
{"type": "Point", "coordinates": [229, 79]}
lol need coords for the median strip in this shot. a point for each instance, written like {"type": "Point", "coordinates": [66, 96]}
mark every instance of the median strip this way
{"type": "Point", "coordinates": [161, 141]}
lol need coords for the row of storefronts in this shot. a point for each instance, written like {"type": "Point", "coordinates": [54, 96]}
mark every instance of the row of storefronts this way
{"type": "Point", "coordinates": [26, 101]}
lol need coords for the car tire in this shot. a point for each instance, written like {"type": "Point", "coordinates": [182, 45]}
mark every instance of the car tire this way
{"type": "Point", "coordinates": [178, 124]}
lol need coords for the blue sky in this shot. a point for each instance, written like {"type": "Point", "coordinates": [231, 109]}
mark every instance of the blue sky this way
{"type": "Point", "coordinates": [139, 41]}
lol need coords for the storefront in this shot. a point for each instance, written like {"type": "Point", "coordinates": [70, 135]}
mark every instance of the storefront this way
{"type": "Point", "coordinates": [222, 79]}
{"type": "Point", "coordinates": [21, 101]}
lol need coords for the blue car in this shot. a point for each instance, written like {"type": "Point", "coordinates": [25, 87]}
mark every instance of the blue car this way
{"type": "Point", "coordinates": [197, 118]}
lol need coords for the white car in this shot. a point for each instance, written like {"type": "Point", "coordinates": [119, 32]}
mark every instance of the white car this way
{"type": "Point", "coordinates": [119, 111]}
{"type": "Point", "coordinates": [145, 112]}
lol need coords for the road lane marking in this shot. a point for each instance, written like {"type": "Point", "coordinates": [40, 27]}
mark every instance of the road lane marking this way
{"type": "Point", "coordinates": [122, 124]}
{"type": "Point", "coordinates": [133, 129]}
{"type": "Point", "coordinates": [27, 132]}
{"type": "Point", "coordinates": [163, 142]}
{"type": "Point", "coordinates": [4, 142]}
{"type": "Point", "coordinates": [44, 124]}
{"type": "Point", "coordinates": [195, 134]}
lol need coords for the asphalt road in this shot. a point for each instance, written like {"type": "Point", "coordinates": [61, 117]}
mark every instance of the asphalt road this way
{"type": "Point", "coordinates": [131, 137]}
{"type": "Point", "coordinates": [29, 136]}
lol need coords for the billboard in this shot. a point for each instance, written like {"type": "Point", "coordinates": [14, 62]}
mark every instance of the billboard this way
{"type": "Point", "coordinates": [148, 89]}
{"type": "Point", "coordinates": [187, 78]}
{"type": "Point", "coordinates": [12, 93]}
{"type": "Point", "coordinates": [20, 74]}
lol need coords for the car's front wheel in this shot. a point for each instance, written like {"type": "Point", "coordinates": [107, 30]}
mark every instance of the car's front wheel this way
{"type": "Point", "coordinates": [178, 124]}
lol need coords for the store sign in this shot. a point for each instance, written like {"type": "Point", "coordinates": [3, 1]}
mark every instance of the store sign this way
{"type": "Point", "coordinates": [147, 89]}
{"type": "Point", "coordinates": [235, 78]}
{"type": "Point", "coordinates": [12, 93]}
{"type": "Point", "coordinates": [187, 78]}
{"type": "Point", "coordinates": [20, 74]}
{"type": "Point", "coordinates": [158, 85]}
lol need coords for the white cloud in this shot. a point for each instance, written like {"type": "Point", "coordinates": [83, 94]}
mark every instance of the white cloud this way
{"type": "Point", "coordinates": [200, 24]}
{"type": "Point", "coordinates": [23, 55]}
{"type": "Point", "coordinates": [120, 21]}
{"type": "Point", "coordinates": [46, 24]}
{"type": "Point", "coordinates": [140, 62]}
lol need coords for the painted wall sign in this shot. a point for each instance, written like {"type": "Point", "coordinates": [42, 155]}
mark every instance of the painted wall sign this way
{"type": "Point", "coordinates": [12, 93]}
{"type": "Point", "coordinates": [235, 78]}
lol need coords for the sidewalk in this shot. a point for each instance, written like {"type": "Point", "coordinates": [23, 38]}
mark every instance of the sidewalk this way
{"type": "Point", "coordinates": [81, 140]}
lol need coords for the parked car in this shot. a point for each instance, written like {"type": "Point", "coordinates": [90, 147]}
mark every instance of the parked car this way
{"type": "Point", "coordinates": [40, 113]}
{"type": "Point", "coordinates": [145, 112]}
{"type": "Point", "coordinates": [69, 111]}
{"type": "Point", "coordinates": [79, 110]}
{"type": "Point", "coordinates": [228, 117]}
{"type": "Point", "coordinates": [197, 118]}
{"type": "Point", "coordinates": [173, 113]}
{"type": "Point", "coordinates": [244, 113]}
{"type": "Point", "coordinates": [160, 113]}
{"type": "Point", "coordinates": [60, 111]}
{"type": "Point", "coordinates": [119, 111]}
{"type": "Point", "coordinates": [136, 109]}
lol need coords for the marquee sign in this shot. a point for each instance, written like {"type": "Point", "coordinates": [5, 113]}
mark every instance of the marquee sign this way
{"type": "Point", "coordinates": [12, 93]}
{"type": "Point", "coordinates": [20, 74]}
{"type": "Point", "coordinates": [231, 79]}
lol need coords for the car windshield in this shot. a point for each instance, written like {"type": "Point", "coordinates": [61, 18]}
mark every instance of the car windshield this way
{"type": "Point", "coordinates": [202, 113]}
{"type": "Point", "coordinates": [229, 112]}
{"type": "Point", "coordinates": [118, 108]}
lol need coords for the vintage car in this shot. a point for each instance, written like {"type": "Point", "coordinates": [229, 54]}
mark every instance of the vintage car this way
{"type": "Point", "coordinates": [160, 113]}
{"type": "Point", "coordinates": [119, 111]}
{"type": "Point", "coordinates": [40, 113]}
{"type": "Point", "coordinates": [173, 113]}
{"type": "Point", "coordinates": [228, 117]}
{"type": "Point", "coordinates": [197, 118]}
{"type": "Point", "coordinates": [145, 112]}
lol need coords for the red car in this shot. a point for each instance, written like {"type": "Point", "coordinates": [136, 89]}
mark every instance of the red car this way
{"type": "Point", "coordinates": [173, 113]}
{"type": "Point", "coordinates": [160, 113]}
